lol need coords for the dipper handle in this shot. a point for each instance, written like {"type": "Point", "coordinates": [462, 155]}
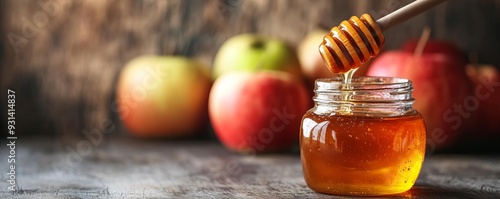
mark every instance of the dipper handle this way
{"type": "Point", "coordinates": [409, 11]}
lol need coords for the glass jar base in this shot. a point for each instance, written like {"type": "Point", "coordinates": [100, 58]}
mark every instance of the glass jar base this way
{"type": "Point", "coordinates": [360, 190]}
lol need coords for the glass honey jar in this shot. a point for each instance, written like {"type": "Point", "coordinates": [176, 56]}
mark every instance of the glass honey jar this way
{"type": "Point", "coordinates": [362, 138]}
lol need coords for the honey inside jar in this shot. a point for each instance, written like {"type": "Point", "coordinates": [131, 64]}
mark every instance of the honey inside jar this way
{"type": "Point", "coordinates": [363, 139]}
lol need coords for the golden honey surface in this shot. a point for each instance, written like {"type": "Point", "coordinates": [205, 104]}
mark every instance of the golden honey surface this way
{"type": "Point", "coordinates": [357, 155]}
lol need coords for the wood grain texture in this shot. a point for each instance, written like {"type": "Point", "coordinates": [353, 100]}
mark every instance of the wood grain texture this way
{"type": "Point", "coordinates": [66, 56]}
{"type": "Point", "coordinates": [126, 168]}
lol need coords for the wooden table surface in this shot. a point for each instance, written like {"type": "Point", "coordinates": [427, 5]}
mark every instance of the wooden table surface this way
{"type": "Point", "coordinates": [121, 167]}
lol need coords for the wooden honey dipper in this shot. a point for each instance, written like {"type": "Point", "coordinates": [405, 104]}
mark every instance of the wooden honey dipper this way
{"type": "Point", "coordinates": [354, 42]}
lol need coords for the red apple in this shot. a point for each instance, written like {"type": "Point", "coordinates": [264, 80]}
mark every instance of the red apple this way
{"type": "Point", "coordinates": [436, 46]}
{"type": "Point", "coordinates": [441, 93]}
{"type": "Point", "coordinates": [163, 96]}
{"type": "Point", "coordinates": [486, 81]}
{"type": "Point", "coordinates": [259, 111]}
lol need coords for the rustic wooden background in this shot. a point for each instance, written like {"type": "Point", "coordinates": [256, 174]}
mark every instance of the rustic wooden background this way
{"type": "Point", "coordinates": [63, 57]}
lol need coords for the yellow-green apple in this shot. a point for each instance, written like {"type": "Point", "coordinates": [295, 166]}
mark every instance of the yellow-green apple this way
{"type": "Point", "coordinates": [486, 79]}
{"type": "Point", "coordinates": [312, 65]}
{"type": "Point", "coordinates": [252, 52]}
{"type": "Point", "coordinates": [257, 111]}
{"type": "Point", "coordinates": [163, 96]}
{"type": "Point", "coordinates": [442, 89]}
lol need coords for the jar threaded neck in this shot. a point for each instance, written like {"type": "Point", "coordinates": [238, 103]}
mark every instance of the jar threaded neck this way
{"type": "Point", "coordinates": [372, 96]}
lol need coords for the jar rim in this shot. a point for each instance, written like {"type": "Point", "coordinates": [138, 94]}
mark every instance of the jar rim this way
{"type": "Point", "coordinates": [362, 83]}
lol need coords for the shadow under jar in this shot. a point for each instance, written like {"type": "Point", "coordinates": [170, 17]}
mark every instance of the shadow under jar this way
{"type": "Point", "coordinates": [362, 138]}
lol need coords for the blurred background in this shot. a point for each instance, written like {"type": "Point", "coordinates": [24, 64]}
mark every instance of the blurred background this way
{"type": "Point", "coordinates": [63, 58]}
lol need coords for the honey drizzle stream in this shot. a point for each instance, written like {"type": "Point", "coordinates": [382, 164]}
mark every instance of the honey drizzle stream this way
{"type": "Point", "coordinates": [347, 77]}
{"type": "Point", "coordinates": [346, 86]}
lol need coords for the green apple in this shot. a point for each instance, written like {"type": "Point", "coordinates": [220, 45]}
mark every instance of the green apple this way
{"type": "Point", "coordinates": [163, 96]}
{"type": "Point", "coordinates": [252, 52]}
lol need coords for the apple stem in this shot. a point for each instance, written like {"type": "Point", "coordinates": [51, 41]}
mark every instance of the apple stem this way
{"type": "Point", "coordinates": [422, 42]}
